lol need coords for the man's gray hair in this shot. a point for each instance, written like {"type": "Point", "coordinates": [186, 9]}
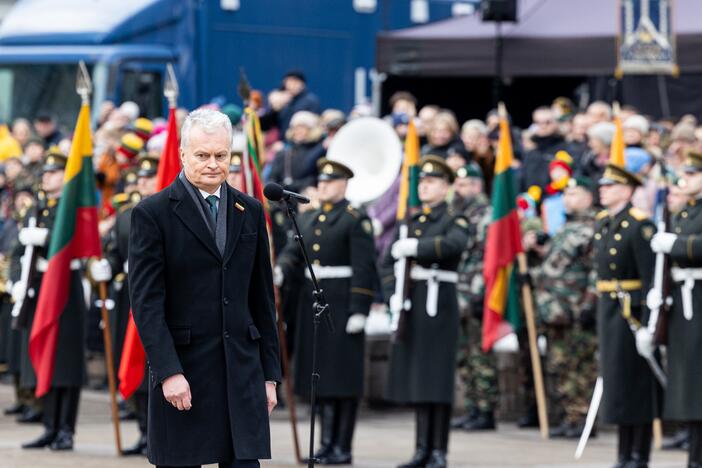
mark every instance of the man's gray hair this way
{"type": "Point", "coordinates": [208, 120]}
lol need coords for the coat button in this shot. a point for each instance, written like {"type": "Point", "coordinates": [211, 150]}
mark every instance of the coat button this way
{"type": "Point", "coordinates": [224, 267]}
{"type": "Point", "coordinates": [316, 247]}
{"type": "Point", "coordinates": [226, 335]}
{"type": "Point", "coordinates": [226, 300]}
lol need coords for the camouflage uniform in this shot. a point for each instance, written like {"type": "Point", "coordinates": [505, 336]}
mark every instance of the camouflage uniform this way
{"type": "Point", "coordinates": [565, 299]}
{"type": "Point", "coordinates": [476, 370]}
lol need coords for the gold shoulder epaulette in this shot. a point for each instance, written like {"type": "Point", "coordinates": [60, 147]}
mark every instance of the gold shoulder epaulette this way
{"type": "Point", "coordinates": [125, 207]}
{"type": "Point", "coordinates": [353, 211]}
{"type": "Point", "coordinates": [601, 214]}
{"type": "Point", "coordinates": [637, 214]}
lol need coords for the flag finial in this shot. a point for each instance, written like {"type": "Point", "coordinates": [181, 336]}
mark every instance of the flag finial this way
{"type": "Point", "coordinates": [83, 84]}
{"type": "Point", "coordinates": [616, 109]}
{"type": "Point", "coordinates": [170, 89]}
{"type": "Point", "coordinates": [501, 110]}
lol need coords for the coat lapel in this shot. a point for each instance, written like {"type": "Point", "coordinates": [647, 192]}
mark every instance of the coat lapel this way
{"type": "Point", "coordinates": [187, 212]}
{"type": "Point", "coordinates": [235, 221]}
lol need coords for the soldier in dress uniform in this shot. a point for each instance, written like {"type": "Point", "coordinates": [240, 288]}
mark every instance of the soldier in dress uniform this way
{"type": "Point", "coordinates": [61, 402]}
{"type": "Point", "coordinates": [684, 245]}
{"type": "Point", "coordinates": [341, 249]}
{"type": "Point", "coordinates": [114, 267]}
{"type": "Point", "coordinates": [423, 358]}
{"type": "Point", "coordinates": [566, 300]}
{"type": "Point", "coordinates": [624, 265]}
{"type": "Point", "coordinates": [477, 370]}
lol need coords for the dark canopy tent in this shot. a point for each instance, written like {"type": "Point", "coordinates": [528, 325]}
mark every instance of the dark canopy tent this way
{"type": "Point", "coordinates": [553, 38]}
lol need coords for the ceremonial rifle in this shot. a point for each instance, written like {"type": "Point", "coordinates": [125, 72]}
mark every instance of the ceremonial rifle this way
{"type": "Point", "coordinates": [658, 318]}
{"type": "Point", "coordinates": [22, 307]}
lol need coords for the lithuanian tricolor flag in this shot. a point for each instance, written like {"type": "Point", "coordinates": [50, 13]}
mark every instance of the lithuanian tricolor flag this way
{"type": "Point", "coordinates": [409, 197]}
{"type": "Point", "coordinates": [74, 235]}
{"type": "Point", "coordinates": [503, 243]}
{"type": "Point", "coordinates": [254, 138]}
{"type": "Point", "coordinates": [251, 163]}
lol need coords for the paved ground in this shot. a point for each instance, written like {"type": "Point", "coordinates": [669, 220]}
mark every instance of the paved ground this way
{"type": "Point", "coordinates": [382, 440]}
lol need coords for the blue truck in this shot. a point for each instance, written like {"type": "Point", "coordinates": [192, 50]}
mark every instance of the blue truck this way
{"type": "Point", "coordinates": [127, 44]}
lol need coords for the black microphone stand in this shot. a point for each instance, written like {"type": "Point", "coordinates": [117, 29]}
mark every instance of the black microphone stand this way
{"type": "Point", "coordinates": [320, 309]}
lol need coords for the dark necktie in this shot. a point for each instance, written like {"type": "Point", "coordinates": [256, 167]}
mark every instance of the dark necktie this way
{"type": "Point", "coordinates": [212, 201]}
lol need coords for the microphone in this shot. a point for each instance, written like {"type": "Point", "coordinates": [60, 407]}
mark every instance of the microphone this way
{"type": "Point", "coordinates": [275, 192]}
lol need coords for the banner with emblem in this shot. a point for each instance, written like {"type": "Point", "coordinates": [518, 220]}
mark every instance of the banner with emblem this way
{"type": "Point", "coordinates": [646, 39]}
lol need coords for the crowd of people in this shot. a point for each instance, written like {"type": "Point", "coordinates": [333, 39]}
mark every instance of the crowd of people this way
{"type": "Point", "coordinates": [560, 160]}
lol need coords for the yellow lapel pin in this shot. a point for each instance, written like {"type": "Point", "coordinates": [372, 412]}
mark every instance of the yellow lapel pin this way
{"type": "Point", "coordinates": [239, 206]}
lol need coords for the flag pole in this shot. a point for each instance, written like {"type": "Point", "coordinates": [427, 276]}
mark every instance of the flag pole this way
{"type": "Point", "coordinates": [528, 301]}
{"type": "Point", "coordinates": [84, 88]}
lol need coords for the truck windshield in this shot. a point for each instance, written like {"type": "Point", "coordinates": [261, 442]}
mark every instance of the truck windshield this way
{"type": "Point", "coordinates": [26, 89]}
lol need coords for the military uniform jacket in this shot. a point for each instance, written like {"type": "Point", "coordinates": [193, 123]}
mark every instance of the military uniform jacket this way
{"type": "Point", "coordinates": [117, 254]}
{"type": "Point", "coordinates": [69, 367]}
{"type": "Point", "coordinates": [682, 397]}
{"type": "Point", "coordinates": [335, 236]}
{"type": "Point", "coordinates": [562, 286]}
{"type": "Point", "coordinates": [423, 362]}
{"type": "Point", "coordinates": [622, 252]}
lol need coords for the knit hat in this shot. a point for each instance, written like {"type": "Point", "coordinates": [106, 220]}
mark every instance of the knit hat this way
{"type": "Point", "coordinates": [143, 128]}
{"type": "Point", "coordinates": [638, 123]}
{"type": "Point", "coordinates": [635, 159]}
{"type": "Point", "coordinates": [130, 145]}
{"type": "Point", "coordinates": [563, 160]}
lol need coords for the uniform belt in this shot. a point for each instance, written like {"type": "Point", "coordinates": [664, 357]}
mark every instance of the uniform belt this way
{"type": "Point", "coordinates": [433, 277]}
{"type": "Point", "coordinates": [43, 264]}
{"type": "Point", "coordinates": [688, 277]}
{"type": "Point", "coordinates": [616, 285]}
{"type": "Point", "coordinates": [330, 272]}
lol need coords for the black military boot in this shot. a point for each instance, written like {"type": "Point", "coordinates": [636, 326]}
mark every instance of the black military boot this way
{"type": "Point", "coordinates": [327, 423]}
{"type": "Point", "coordinates": [576, 430]}
{"type": "Point", "coordinates": [624, 446]}
{"type": "Point", "coordinates": [485, 421]}
{"type": "Point", "coordinates": [437, 459]}
{"type": "Point", "coordinates": [42, 441]}
{"type": "Point", "coordinates": [679, 441]}
{"type": "Point", "coordinates": [560, 430]}
{"type": "Point", "coordinates": [137, 449]}
{"type": "Point", "coordinates": [460, 422]}
{"type": "Point", "coordinates": [695, 449]}
{"type": "Point", "coordinates": [63, 441]}
{"type": "Point", "coordinates": [30, 416]}
{"type": "Point", "coordinates": [17, 408]}
{"type": "Point", "coordinates": [641, 447]}
{"type": "Point", "coordinates": [530, 419]}
{"type": "Point", "coordinates": [422, 442]}
{"type": "Point", "coordinates": [341, 453]}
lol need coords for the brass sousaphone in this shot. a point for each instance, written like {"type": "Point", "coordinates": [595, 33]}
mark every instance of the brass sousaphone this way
{"type": "Point", "coordinates": [372, 149]}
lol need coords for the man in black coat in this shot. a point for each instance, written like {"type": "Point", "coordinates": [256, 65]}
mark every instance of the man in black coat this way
{"type": "Point", "coordinates": [297, 98]}
{"type": "Point", "coordinates": [423, 358]}
{"type": "Point", "coordinates": [202, 296]}
{"type": "Point", "coordinates": [342, 253]}
{"type": "Point", "coordinates": [623, 261]}
{"type": "Point", "coordinates": [684, 245]}
{"type": "Point", "coordinates": [548, 141]}
{"type": "Point", "coordinates": [61, 402]}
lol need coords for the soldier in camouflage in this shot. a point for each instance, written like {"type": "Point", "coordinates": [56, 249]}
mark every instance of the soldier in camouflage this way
{"type": "Point", "coordinates": [477, 371]}
{"type": "Point", "coordinates": [565, 296]}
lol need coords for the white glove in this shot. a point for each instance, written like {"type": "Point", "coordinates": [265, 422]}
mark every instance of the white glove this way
{"type": "Point", "coordinates": [644, 342]}
{"type": "Point", "coordinates": [33, 236]}
{"type": "Point", "coordinates": [377, 227]}
{"type": "Point", "coordinates": [663, 242]}
{"type": "Point", "coordinates": [404, 248]}
{"type": "Point", "coordinates": [654, 299]}
{"type": "Point", "coordinates": [18, 291]}
{"type": "Point", "coordinates": [356, 324]}
{"type": "Point", "coordinates": [101, 270]}
{"type": "Point", "coordinates": [278, 276]}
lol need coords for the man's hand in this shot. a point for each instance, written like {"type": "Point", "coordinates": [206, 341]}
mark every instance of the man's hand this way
{"type": "Point", "coordinates": [101, 270]}
{"type": "Point", "coordinates": [176, 390]}
{"type": "Point", "coordinates": [271, 396]}
{"type": "Point", "coordinates": [356, 324]}
{"type": "Point", "coordinates": [404, 248]}
{"type": "Point", "coordinates": [35, 236]}
{"type": "Point", "coordinates": [644, 343]}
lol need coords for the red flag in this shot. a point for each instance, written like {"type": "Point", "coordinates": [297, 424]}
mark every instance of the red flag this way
{"type": "Point", "coordinates": [133, 363]}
